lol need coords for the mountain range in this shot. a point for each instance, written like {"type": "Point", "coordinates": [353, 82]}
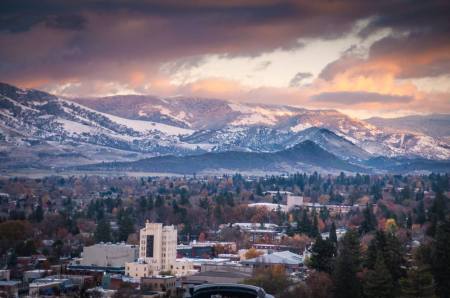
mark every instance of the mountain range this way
{"type": "Point", "coordinates": [39, 130]}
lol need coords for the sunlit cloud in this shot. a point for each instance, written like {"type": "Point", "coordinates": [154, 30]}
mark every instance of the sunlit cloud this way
{"type": "Point", "coordinates": [282, 52]}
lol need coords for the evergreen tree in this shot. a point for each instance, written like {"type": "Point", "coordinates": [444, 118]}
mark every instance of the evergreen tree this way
{"type": "Point", "coordinates": [437, 212]}
{"type": "Point", "coordinates": [392, 252]}
{"type": "Point", "coordinates": [370, 222]}
{"type": "Point", "coordinates": [324, 214]}
{"type": "Point", "coordinates": [103, 231]}
{"type": "Point", "coordinates": [38, 215]}
{"type": "Point", "coordinates": [259, 190]}
{"type": "Point", "coordinates": [376, 191]}
{"type": "Point", "coordinates": [315, 226]}
{"type": "Point", "coordinates": [409, 221]}
{"type": "Point", "coordinates": [347, 265]}
{"type": "Point", "coordinates": [441, 260]}
{"type": "Point", "coordinates": [378, 283]}
{"type": "Point", "coordinates": [159, 201]}
{"type": "Point", "coordinates": [333, 236]}
{"type": "Point", "coordinates": [418, 283]}
{"type": "Point", "coordinates": [323, 252]}
{"type": "Point", "coordinates": [421, 216]}
{"type": "Point", "coordinates": [150, 203]}
{"type": "Point", "coordinates": [125, 223]}
{"type": "Point", "coordinates": [142, 204]}
{"type": "Point", "coordinates": [304, 225]}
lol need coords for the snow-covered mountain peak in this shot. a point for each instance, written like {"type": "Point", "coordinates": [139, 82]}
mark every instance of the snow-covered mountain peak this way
{"type": "Point", "coordinates": [132, 125]}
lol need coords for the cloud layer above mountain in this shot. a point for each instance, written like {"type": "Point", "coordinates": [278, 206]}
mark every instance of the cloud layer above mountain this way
{"type": "Point", "coordinates": [292, 52]}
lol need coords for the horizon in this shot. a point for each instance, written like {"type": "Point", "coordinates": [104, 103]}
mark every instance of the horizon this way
{"type": "Point", "coordinates": [364, 59]}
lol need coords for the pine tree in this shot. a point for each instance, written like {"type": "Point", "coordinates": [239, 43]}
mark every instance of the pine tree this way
{"type": "Point", "coordinates": [347, 265]}
{"type": "Point", "coordinates": [333, 236]}
{"type": "Point", "coordinates": [315, 226]}
{"type": "Point", "coordinates": [103, 231]}
{"type": "Point", "coordinates": [421, 217]}
{"type": "Point", "coordinates": [392, 252]}
{"type": "Point", "coordinates": [38, 214]}
{"type": "Point", "coordinates": [441, 260]}
{"type": "Point", "coordinates": [378, 283]}
{"type": "Point", "coordinates": [323, 252]}
{"type": "Point", "coordinates": [125, 223]}
{"type": "Point", "coordinates": [159, 201]}
{"type": "Point", "coordinates": [437, 212]}
{"type": "Point", "coordinates": [304, 225]}
{"type": "Point", "coordinates": [370, 222]}
{"type": "Point", "coordinates": [409, 221]}
{"type": "Point", "coordinates": [418, 283]}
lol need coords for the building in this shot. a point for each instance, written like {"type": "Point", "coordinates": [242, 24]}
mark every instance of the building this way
{"type": "Point", "coordinates": [51, 286]}
{"type": "Point", "coordinates": [157, 251]}
{"type": "Point", "coordinates": [30, 275]}
{"type": "Point", "coordinates": [160, 283]}
{"type": "Point", "coordinates": [109, 255]}
{"type": "Point", "coordinates": [206, 249]}
{"type": "Point", "coordinates": [227, 290]}
{"type": "Point", "coordinates": [5, 274]}
{"type": "Point", "coordinates": [294, 202]}
{"type": "Point", "coordinates": [269, 206]}
{"type": "Point", "coordinates": [183, 267]}
{"type": "Point", "coordinates": [158, 245]}
{"type": "Point", "coordinates": [291, 262]}
{"type": "Point", "coordinates": [219, 273]}
{"type": "Point", "coordinates": [9, 288]}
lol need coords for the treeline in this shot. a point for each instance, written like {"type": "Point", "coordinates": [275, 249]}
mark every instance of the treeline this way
{"type": "Point", "coordinates": [386, 267]}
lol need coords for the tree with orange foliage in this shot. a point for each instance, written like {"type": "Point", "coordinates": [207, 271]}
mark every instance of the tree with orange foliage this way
{"type": "Point", "coordinates": [252, 253]}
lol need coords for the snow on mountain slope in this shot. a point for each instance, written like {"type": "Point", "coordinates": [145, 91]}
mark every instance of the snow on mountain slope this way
{"type": "Point", "coordinates": [259, 114]}
{"type": "Point", "coordinates": [149, 126]}
{"type": "Point", "coordinates": [182, 126]}
{"type": "Point", "coordinates": [49, 118]}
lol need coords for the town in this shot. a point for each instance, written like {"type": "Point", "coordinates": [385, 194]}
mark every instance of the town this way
{"type": "Point", "coordinates": [285, 236]}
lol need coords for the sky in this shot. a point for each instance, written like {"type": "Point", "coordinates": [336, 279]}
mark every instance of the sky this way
{"type": "Point", "coordinates": [364, 58]}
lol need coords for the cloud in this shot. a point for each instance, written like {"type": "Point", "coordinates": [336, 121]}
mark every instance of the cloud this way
{"type": "Point", "coordinates": [105, 39]}
{"type": "Point", "coordinates": [100, 47]}
{"type": "Point", "coordinates": [351, 98]}
{"type": "Point", "coordinates": [298, 78]}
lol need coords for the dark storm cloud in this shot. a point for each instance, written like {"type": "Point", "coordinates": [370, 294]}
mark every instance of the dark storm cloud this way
{"type": "Point", "coordinates": [351, 98]}
{"type": "Point", "coordinates": [109, 39]}
{"type": "Point", "coordinates": [412, 16]}
{"type": "Point", "coordinates": [419, 44]}
{"type": "Point", "coordinates": [21, 15]}
{"type": "Point", "coordinates": [55, 40]}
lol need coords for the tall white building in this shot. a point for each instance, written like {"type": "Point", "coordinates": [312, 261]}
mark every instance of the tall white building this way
{"type": "Point", "coordinates": [158, 245]}
{"type": "Point", "coordinates": [157, 251]}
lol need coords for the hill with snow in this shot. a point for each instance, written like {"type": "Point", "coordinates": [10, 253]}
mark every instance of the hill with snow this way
{"type": "Point", "coordinates": [41, 130]}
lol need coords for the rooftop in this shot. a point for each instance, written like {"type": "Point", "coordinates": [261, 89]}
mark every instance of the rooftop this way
{"type": "Point", "coordinates": [9, 283]}
{"type": "Point", "coordinates": [284, 257]}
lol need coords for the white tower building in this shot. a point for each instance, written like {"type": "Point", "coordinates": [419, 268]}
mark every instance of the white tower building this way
{"type": "Point", "coordinates": [157, 251]}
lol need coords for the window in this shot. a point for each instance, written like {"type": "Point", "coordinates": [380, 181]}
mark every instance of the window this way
{"type": "Point", "coordinates": [150, 240]}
